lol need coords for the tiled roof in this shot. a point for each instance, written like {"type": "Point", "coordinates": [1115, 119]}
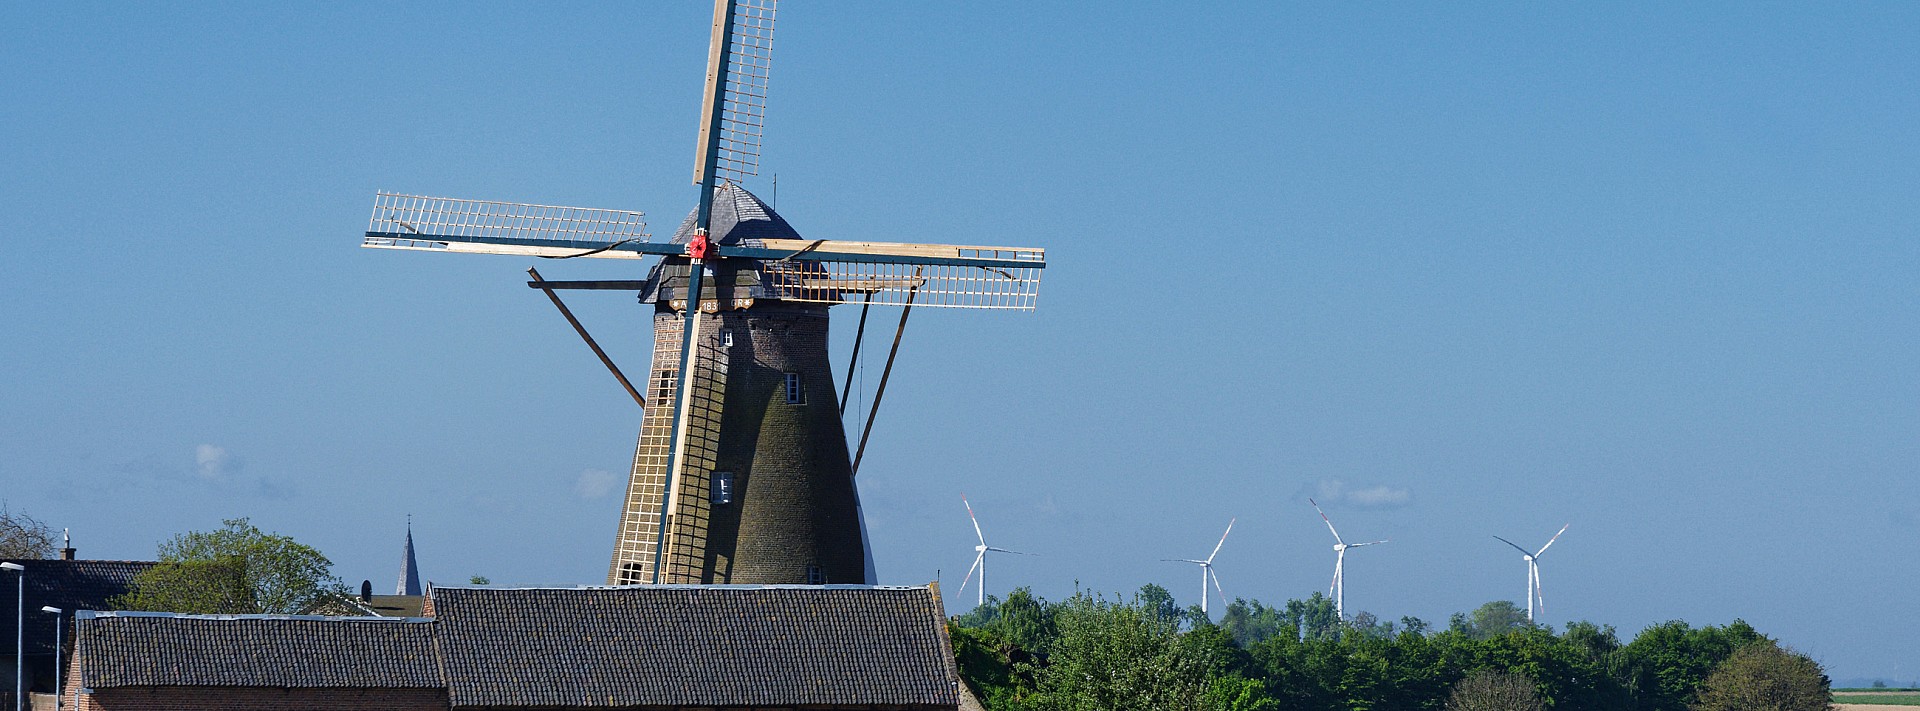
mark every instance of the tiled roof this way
{"type": "Point", "coordinates": [695, 646]}
{"type": "Point", "coordinates": [739, 217]}
{"type": "Point", "coordinates": [158, 649]}
{"type": "Point", "coordinates": [66, 584]}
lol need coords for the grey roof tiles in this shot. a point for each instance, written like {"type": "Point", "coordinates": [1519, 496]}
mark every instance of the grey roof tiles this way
{"type": "Point", "coordinates": [695, 646]}
{"type": "Point", "coordinates": [133, 649]}
{"type": "Point", "coordinates": [649, 646]}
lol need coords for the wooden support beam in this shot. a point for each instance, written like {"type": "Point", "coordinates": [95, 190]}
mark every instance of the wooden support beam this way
{"type": "Point", "coordinates": [582, 330]}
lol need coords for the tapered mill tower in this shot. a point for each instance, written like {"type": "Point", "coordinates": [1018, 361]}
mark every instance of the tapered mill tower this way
{"type": "Point", "coordinates": [741, 473]}
{"type": "Point", "coordinates": [766, 492]}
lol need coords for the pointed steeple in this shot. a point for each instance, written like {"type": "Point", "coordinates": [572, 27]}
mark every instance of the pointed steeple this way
{"type": "Point", "coordinates": [409, 569]}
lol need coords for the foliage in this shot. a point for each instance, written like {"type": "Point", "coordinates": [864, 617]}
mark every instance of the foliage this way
{"type": "Point", "coordinates": [1491, 620]}
{"type": "Point", "coordinates": [1111, 655]}
{"type": "Point", "coordinates": [24, 537]}
{"type": "Point", "coordinates": [1026, 654]}
{"type": "Point", "coordinates": [237, 569]}
{"type": "Point", "coordinates": [479, 580]}
{"type": "Point", "coordinates": [1668, 662]}
{"type": "Point", "coordinates": [1763, 676]}
{"type": "Point", "coordinates": [1489, 690]}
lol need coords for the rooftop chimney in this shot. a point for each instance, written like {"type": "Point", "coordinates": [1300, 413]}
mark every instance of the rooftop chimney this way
{"type": "Point", "coordinates": [66, 544]}
{"type": "Point", "coordinates": [366, 591]}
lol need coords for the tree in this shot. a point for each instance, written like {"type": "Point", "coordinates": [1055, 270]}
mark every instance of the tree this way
{"type": "Point", "coordinates": [1316, 617]}
{"type": "Point", "coordinates": [479, 580]}
{"type": "Point", "coordinates": [24, 537]}
{"type": "Point", "coordinates": [237, 569]}
{"type": "Point", "coordinates": [1492, 620]}
{"type": "Point", "coordinates": [1666, 664]}
{"type": "Point", "coordinates": [1122, 656]}
{"type": "Point", "coordinates": [1490, 690]}
{"type": "Point", "coordinates": [1763, 676]}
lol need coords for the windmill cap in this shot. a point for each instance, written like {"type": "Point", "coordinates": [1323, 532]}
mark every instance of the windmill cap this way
{"type": "Point", "coordinates": [739, 217]}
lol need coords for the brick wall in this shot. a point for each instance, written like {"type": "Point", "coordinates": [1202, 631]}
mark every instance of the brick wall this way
{"type": "Point", "coordinates": [794, 505]}
{"type": "Point", "coordinates": [262, 699]}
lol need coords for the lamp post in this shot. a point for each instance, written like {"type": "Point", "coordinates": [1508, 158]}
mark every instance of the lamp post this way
{"type": "Point", "coordinates": [19, 637]}
{"type": "Point", "coordinates": [58, 629]}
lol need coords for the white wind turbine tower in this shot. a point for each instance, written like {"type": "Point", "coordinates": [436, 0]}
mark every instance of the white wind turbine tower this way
{"type": "Point", "coordinates": [980, 556]}
{"type": "Point", "coordinates": [1339, 588]}
{"type": "Point", "coordinates": [1533, 572]}
{"type": "Point", "coordinates": [1206, 568]}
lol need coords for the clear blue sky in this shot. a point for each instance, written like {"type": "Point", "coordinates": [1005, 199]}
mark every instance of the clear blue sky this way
{"type": "Point", "coordinates": [1456, 270]}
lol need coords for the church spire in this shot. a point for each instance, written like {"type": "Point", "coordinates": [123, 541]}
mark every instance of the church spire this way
{"type": "Point", "coordinates": [409, 568]}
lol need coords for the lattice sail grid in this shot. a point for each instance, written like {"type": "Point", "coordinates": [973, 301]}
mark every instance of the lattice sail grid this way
{"type": "Point", "coordinates": [941, 285]}
{"type": "Point", "coordinates": [404, 215]}
{"type": "Point", "coordinates": [743, 114]}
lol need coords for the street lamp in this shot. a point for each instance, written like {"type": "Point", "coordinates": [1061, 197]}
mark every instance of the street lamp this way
{"type": "Point", "coordinates": [19, 638]}
{"type": "Point", "coordinates": [58, 629]}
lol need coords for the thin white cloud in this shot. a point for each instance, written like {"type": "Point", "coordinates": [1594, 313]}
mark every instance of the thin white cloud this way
{"type": "Point", "coordinates": [595, 483]}
{"type": "Point", "coordinates": [1379, 497]}
{"type": "Point", "coordinates": [1376, 496]}
{"type": "Point", "coordinates": [212, 461]}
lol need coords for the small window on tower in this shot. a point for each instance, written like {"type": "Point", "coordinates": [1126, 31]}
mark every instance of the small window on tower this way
{"type": "Point", "coordinates": [796, 395]}
{"type": "Point", "coordinates": [723, 487]}
{"type": "Point", "coordinates": [727, 338]}
{"type": "Point", "coordinates": [815, 576]}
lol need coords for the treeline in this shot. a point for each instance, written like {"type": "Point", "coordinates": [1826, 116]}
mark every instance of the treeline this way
{"type": "Point", "coordinates": [1090, 652]}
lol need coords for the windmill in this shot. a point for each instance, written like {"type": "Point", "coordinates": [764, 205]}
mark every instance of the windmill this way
{"type": "Point", "coordinates": [1533, 572]}
{"type": "Point", "coordinates": [1206, 568]}
{"type": "Point", "coordinates": [1339, 588]}
{"type": "Point", "coordinates": [979, 556]}
{"type": "Point", "coordinates": [741, 473]}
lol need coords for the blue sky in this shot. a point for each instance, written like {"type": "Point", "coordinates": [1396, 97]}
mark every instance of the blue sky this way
{"type": "Point", "coordinates": [1456, 271]}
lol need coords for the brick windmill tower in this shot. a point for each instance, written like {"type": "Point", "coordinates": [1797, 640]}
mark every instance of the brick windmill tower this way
{"type": "Point", "coordinates": [741, 473]}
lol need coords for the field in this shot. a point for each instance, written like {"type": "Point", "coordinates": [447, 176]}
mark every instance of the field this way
{"type": "Point", "coordinates": [1864, 699]}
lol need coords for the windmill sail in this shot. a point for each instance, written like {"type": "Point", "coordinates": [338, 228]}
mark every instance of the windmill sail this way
{"type": "Point", "coordinates": [818, 271]}
{"type": "Point", "coordinates": [436, 224]}
{"type": "Point", "coordinates": [748, 44]}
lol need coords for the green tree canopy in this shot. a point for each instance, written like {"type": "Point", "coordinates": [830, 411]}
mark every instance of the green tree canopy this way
{"type": "Point", "coordinates": [1492, 620]}
{"type": "Point", "coordinates": [1763, 676]}
{"type": "Point", "coordinates": [1111, 655]}
{"type": "Point", "coordinates": [236, 569]}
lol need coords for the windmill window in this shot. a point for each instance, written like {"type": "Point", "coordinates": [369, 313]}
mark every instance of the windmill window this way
{"type": "Point", "coordinates": [796, 395]}
{"type": "Point", "coordinates": [723, 487]}
{"type": "Point", "coordinates": [727, 338]}
{"type": "Point", "coordinates": [816, 576]}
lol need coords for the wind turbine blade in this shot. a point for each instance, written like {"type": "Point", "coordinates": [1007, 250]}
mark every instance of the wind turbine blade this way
{"type": "Point", "coordinates": [1368, 543]}
{"type": "Point", "coordinates": [1215, 577]}
{"type": "Point", "coordinates": [1184, 560]}
{"type": "Point", "coordinates": [1339, 562]}
{"type": "Point", "coordinates": [1223, 539]}
{"type": "Point", "coordinates": [1538, 593]}
{"type": "Point", "coordinates": [1323, 517]}
{"type": "Point", "coordinates": [1523, 551]}
{"type": "Point", "coordinates": [976, 566]}
{"type": "Point", "coordinates": [1003, 550]}
{"type": "Point", "coordinates": [976, 521]}
{"type": "Point", "coordinates": [1543, 549]}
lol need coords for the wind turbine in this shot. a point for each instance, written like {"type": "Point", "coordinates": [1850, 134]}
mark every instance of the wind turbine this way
{"type": "Point", "coordinates": [1206, 568]}
{"type": "Point", "coordinates": [980, 555]}
{"type": "Point", "coordinates": [1533, 572]}
{"type": "Point", "coordinates": [1339, 588]}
